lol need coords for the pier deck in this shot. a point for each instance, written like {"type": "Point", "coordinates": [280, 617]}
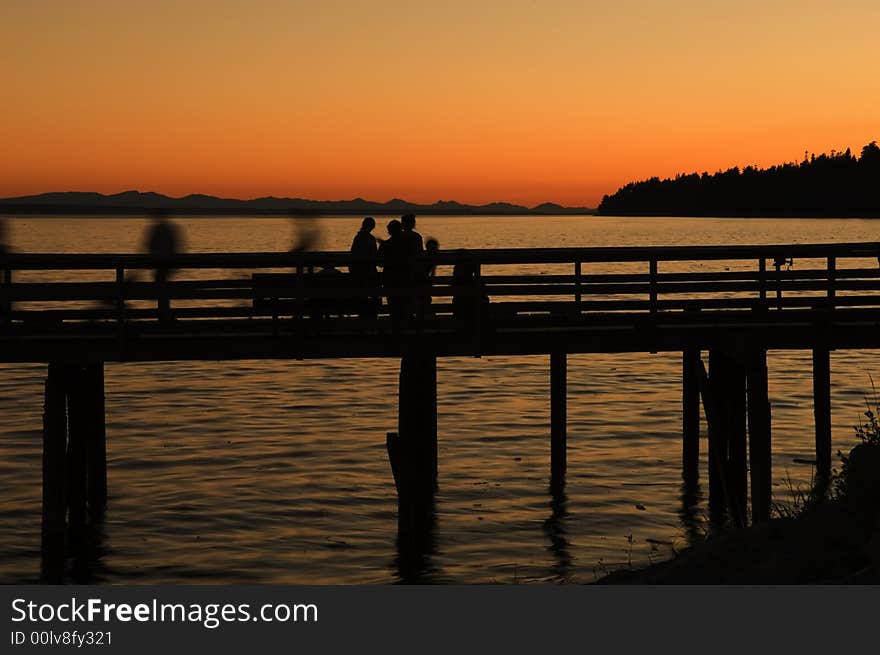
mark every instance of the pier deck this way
{"type": "Point", "coordinates": [76, 312]}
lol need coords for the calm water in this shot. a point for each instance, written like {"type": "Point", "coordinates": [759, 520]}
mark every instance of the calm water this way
{"type": "Point", "coordinates": [276, 472]}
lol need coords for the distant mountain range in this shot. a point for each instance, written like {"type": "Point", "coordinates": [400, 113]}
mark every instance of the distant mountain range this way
{"type": "Point", "coordinates": [136, 202]}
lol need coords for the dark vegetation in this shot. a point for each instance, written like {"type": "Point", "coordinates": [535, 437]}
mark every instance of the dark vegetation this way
{"type": "Point", "coordinates": [827, 534]}
{"type": "Point", "coordinates": [837, 184]}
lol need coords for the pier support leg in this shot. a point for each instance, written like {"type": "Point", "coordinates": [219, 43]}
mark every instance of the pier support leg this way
{"type": "Point", "coordinates": [413, 455]}
{"type": "Point", "coordinates": [96, 441]}
{"type": "Point", "coordinates": [77, 462]}
{"type": "Point", "coordinates": [726, 413]}
{"type": "Point", "coordinates": [74, 460]}
{"type": "Point", "coordinates": [822, 413]}
{"type": "Point", "coordinates": [759, 436]}
{"type": "Point", "coordinates": [737, 458]}
{"type": "Point", "coordinates": [690, 410]}
{"type": "Point", "coordinates": [54, 474]}
{"type": "Point", "coordinates": [717, 432]}
{"type": "Point", "coordinates": [416, 443]}
{"type": "Point", "coordinates": [558, 418]}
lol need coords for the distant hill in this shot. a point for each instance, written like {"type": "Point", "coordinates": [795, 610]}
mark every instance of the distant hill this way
{"type": "Point", "coordinates": [839, 184]}
{"type": "Point", "coordinates": [136, 202]}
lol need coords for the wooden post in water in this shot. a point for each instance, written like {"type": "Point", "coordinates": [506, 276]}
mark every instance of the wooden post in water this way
{"type": "Point", "coordinates": [717, 432]}
{"type": "Point", "coordinates": [726, 414]}
{"type": "Point", "coordinates": [415, 447]}
{"type": "Point", "coordinates": [759, 435]}
{"type": "Point", "coordinates": [78, 420]}
{"type": "Point", "coordinates": [737, 459]}
{"type": "Point", "coordinates": [96, 440]}
{"type": "Point", "coordinates": [822, 412]}
{"type": "Point", "coordinates": [690, 410]}
{"type": "Point", "coordinates": [54, 474]}
{"type": "Point", "coordinates": [558, 417]}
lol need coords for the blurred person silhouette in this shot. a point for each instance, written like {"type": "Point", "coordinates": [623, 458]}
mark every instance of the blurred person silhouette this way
{"type": "Point", "coordinates": [306, 233]}
{"type": "Point", "coordinates": [365, 277]}
{"type": "Point", "coordinates": [163, 241]}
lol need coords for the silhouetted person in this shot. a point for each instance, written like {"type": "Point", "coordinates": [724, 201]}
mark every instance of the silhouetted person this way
{"type": "Point", "coordinates": [164, 241]}
{"type": "Point", "coordinates": [411, 237]}
{"type": "Point", "coordinates": [397, 272]}
{"type": "Point", "coordinates": [364, 249]}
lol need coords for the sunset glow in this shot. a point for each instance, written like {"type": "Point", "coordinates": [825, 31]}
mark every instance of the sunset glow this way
{"type": "Point", "coordinates": [519, 101]}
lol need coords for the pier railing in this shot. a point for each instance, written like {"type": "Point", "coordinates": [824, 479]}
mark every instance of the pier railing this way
{"type": "Point", "coordinates": [77, 312]}
{"type": "Point", "coordinates": [50, 292]}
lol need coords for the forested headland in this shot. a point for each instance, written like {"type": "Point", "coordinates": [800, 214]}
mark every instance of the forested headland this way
{"type": "Point", "coordinates": [839, 184]}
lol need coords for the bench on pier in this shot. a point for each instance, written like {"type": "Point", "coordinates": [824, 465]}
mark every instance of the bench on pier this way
{"type": "Point", "coordinates": [321, 294]}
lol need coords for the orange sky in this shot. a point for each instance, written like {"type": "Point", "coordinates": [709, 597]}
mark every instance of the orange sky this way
{"type": "Point", "coordinates": [525, 101]}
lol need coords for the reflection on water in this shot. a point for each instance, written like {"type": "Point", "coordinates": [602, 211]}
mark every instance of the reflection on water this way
{"type": "Point", "coordinates": [416, 547]}
{"type": "Point", "coordinates": [276, 472]}
{"type": "Point", "coordinates": [690, 514]}
{"type": "Point", "coordinates": [555, 529]}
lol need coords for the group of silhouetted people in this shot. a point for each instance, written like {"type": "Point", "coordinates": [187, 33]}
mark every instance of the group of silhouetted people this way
{"type": "Point", "coordinates": [405, 278]}
{"type": "Point", "coordinates": [399, 268]}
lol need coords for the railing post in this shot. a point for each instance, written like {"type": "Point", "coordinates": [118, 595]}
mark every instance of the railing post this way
{"type": "Point", "coordinates": [299, 320]}
{"type": "Point", "coordinates": [653, 271]}
{"type": "Point", "coordinates": [832, 281]}
{"type": "Point", "coordinates": [478, 314]}
{"type": "Point", "coordinates": [120, 303]}
{"type": "Point", "coordinates": [6, 305]}
{"type": "Point", "coordinates": [762, 282]}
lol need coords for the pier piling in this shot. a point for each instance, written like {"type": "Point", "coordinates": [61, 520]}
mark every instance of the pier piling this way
{"type": "Point", "coordinates": [413, 450]}
{"type": "Point", "coordinates": [54, 474]}
{"type": "Point", "coordinates": [74, 460]}
{"type": "Point", "coordinates": [737, 460]}
{"type": "Point", "coordinates": [96, 440]}
{"type": "Point", "coordinates": [717, 433]}
{"type": "Point", "coordinates": [725, 402]}
{"type": "Point", "coordinates": [822, 413]}
{"type": "Point", "coordinates": [558, 417]}
{"type": "Point", "coordinates": [690, 410]}
{"type": "Point", "coordinates": [759, 421]}
{"type": "Point", "coordinates": [77, 462]}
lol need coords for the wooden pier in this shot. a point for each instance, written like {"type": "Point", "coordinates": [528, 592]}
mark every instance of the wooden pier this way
{"type": "Point", "coordinates": [733, 304]}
